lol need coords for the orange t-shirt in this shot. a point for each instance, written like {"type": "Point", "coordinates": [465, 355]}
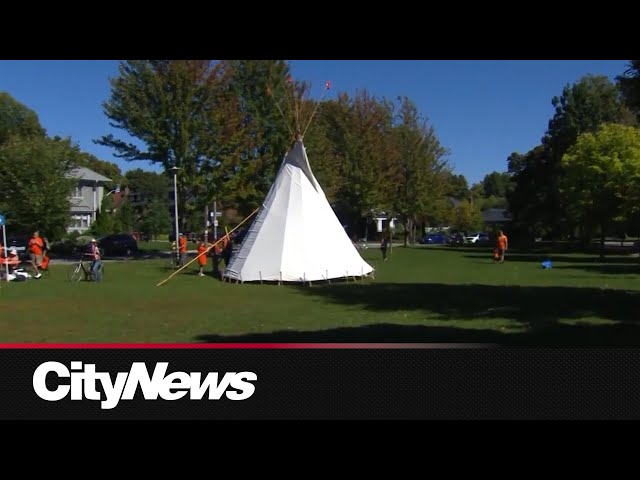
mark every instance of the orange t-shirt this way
{"type": "Point", "coordinates": [202, 259]}
{"type": "Point", "coordinates": [502, 242]}
{"type": "Point", "coordinates": [36, 245]}
{"type": "Point", "coordinates": [1, 248]}
{"type": "Point", "coordinates": [183, 245]}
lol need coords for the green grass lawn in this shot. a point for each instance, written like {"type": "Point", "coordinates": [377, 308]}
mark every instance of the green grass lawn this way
{"type": "Point", "coordinates": [427, 294]}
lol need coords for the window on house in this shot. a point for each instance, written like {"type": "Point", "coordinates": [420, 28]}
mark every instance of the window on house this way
{"type": "Point", "coordinates": [76, 221]}
{"type": "Point", "coordinates": [85, 221]}
{"type": "Point", "coordinates": [77, 191]}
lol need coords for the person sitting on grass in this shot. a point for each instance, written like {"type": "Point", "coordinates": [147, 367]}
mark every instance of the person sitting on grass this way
{"type": "Point", "coordinates": [13, 261]}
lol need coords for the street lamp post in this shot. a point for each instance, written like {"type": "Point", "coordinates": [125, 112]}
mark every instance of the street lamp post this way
{"type": "Point", "coordinates": [175, 207]}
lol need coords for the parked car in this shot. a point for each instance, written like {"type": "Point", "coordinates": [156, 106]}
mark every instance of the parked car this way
{"type": "Point", "coordinates": [456, 239]}
{"type": "Point", "coordinates": [477, 238]}
{"type": "Point", "coordinates": [118, 244]}
{"type": "Point", "coordinates": [434, 239]}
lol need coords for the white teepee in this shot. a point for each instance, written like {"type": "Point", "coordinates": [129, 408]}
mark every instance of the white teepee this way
{"type": "Point", "coordinates": [296, 237]}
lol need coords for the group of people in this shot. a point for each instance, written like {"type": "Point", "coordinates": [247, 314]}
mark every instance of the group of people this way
{"type": "Point", "coordinates": [38, 258]}
{"type": "Point", "coordinates": [222, 250]}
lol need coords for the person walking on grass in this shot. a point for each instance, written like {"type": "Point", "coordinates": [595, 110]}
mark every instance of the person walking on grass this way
{"type": "Point", "coordinates": [384, 245]}
{"type": "Point", "coordinates": [182, 250]}
{"type": "Point", "coordinates": [503, 246]}
{"type": "Point", "coordinates": [202, 258]}
{"type": "Point", "coordinates": [36, 247]}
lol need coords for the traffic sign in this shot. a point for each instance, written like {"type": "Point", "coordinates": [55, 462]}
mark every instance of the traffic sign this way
{"type": "Point", "coordinates": [1, 219]}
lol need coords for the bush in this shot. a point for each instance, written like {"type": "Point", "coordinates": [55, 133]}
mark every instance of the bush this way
{"type": "Point", "coordinates": [69, 244]}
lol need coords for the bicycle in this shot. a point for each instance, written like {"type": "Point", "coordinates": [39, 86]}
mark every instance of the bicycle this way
{"type": "Point", "coordinates": [79, 270]}
{"type": "Point", "coordinates": [174, 261]}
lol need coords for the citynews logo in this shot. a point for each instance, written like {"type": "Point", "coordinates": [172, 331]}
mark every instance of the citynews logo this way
{"type": "Point", "coordinates": [174, 386]}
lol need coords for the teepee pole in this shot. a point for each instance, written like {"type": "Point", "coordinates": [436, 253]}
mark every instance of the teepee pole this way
{"type": "Point", "coordinates": [314, 111]}
{"type": "Point", "coordinates": [280, 110]}
{"type": "Point", "coordinates": [207, 250]}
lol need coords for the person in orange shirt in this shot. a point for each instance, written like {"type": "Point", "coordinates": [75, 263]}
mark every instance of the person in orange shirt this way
{"type": "Point", "coordinates": [202, 258]}
{"type": "Point", "coordinates": [12, 260]}
{"type": "Point", "coordinates": [36, 246]}
{"type": "Point", "coordinates": [503, 245]}
{"type": "Point", "coordinates": [182, 249]}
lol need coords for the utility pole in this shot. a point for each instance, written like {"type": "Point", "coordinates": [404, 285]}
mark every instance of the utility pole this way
{"type": "Point", "coordinates": [206, 224]}
{"type": "Point", "coordinates": [215, 219]}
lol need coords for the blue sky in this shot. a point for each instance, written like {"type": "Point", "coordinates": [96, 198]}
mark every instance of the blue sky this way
{"type": "Point", "coordinates": [482, 110]}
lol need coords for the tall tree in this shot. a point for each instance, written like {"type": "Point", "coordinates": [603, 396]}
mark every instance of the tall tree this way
{"type": "Point", "coordinates": [467, 217]}
{"type": "Point", "coordinates": [582, 107]}
{"type": "Point", "coordinates": [179, 110]}
{"type": "Point", "coordinates": [156, 219]}
{"type": "Point", "coordinates": [497, 184]}
{"type": "Point", "coordinates": [325, 160]}
{"type": "Point", "coordinates": [629, 84]}
{"type": "Point", "coordinates": [34, 192]}
{"type": "Point", "coordinates": [359, 129]}
{"type": "Point", "coordinates": [104, 224]}
{"type": "Point", "coordinates": [261, 87]}
{"type": "Point", "coordinates": [148, 185]}
{"type": "Point", "coordinates": [17, 119]}
{"type": "Point", "coordinates": [602, 181]}
{"type": "Point", "coordinates": [419, 187]}
{"type": "Point", "coordinates": [458, 186]}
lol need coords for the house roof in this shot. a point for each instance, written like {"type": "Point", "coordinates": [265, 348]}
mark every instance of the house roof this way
{"type": "Point", "coordinates": [496, 215]}
{"type": "Point", "coordinates": [83, 173]}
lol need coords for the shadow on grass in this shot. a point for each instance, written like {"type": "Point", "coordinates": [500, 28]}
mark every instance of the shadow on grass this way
{"type": "Point", "coordinates": [538, 258]}
{"type": "Point", "coordinates": [536, 309]}
{"type": "Point", "coordinates": [605, 269]}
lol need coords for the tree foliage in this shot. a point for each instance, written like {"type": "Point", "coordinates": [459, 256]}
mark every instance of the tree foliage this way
{"type": "Point", "coordinates": [535, 202]}
{"type": "Point", "coordinates": [34, 188]}
{"type": "Point", "coordinates": [183, 115]}
{"type": "Point", "coordinates": [629, 84]}
{"type": "Point", "coordinates": [17, 119]}
{"type": "Point", "coordinates": [602, 177]}
{"type": "Point", "coordinates": [467, 217]}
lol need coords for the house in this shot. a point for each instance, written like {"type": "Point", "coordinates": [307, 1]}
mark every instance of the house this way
{"type": "Point", "coordinates": [86, 198]}
{"type": "Point", "coordinates": [496, 216]}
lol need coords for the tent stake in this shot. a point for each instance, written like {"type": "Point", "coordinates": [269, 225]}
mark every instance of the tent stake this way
{"type": "Point", "coordinates": [260, 277]}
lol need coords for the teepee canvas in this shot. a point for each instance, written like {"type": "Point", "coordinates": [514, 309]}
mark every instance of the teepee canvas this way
{"type": "Point", "coordinates": [296, 237]}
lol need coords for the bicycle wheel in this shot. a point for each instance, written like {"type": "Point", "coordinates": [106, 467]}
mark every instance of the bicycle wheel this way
{"type": "Point", "coordinates": [75, 273]}
{"type": "Point", "coordinates": [101, 272]}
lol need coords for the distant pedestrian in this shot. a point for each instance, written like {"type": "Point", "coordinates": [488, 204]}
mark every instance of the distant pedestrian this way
{"type": "Point", "coordinates": [36, 248]}
{"type": "Point", "coordinates": [384, 245]}
{"type": "Point", "coordinates": [182, 249]}
{"type": "Point", "coordinates": [503, 245]}
{"type": "Point", "coordinates": [202, 258]}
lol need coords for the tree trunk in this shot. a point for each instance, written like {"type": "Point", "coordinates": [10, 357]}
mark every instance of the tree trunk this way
{"type": "Point", "coordinates": [406, 232]}
{"type": "Point", "coordinates": [603, 233]}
